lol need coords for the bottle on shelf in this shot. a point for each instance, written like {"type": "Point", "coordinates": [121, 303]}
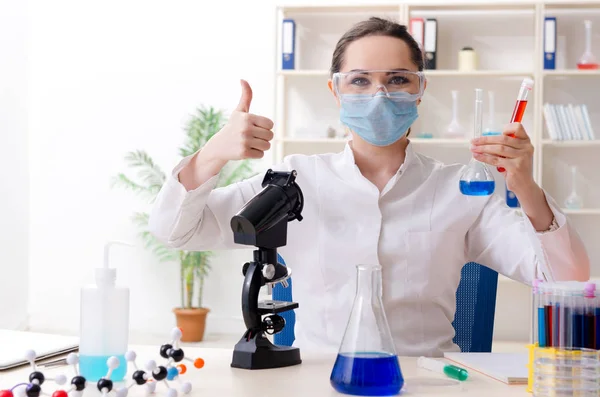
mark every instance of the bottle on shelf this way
{"type": "Point", "coordinates": [574, 200]}
{"type": "Point", "coordinates": [587, 60]}
{"type": "Point", "coordinates": [455, 129]}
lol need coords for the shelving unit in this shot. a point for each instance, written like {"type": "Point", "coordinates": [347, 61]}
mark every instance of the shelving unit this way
{"type": "Point", "coordinates": [508, 38]}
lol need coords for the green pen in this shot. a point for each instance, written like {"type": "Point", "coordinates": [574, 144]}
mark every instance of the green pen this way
{"type": "Point", "coordinates": [451, 371]}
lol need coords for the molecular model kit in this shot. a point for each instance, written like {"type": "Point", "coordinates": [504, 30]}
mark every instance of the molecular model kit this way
{"type": "Point", "coordinates": [153, 374]}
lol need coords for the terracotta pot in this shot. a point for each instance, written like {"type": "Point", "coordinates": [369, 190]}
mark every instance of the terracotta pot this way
{"type": "Point", "coordinates": [192, 323]}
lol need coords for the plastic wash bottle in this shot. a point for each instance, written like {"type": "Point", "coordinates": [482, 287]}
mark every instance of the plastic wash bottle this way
{"type": "Point", "coordinates": [104, 326]}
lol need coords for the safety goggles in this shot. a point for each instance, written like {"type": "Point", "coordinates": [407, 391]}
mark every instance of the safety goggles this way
{"type": "Point", "coordinates": [363, 85]}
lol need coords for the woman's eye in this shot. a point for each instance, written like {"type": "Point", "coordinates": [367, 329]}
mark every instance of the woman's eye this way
{"type": "Point", "coordinates": [398, 80]}
{"type": "Point", "coordinates": [359, 81]}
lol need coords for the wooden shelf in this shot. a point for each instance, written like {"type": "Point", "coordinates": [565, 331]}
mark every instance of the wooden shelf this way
{"type": "Point", "coordinates": [475, 73]}
{"type": "Point", "coordinates": [441, 73]}
{"type": "Point", "coordinates": [416, 141]}
{"type": "Point", "coordinates": [572, 143]}
{"type": "Point", "coordinates": [583, 211]}
{"type": "Point", "coordinates": [571, 72]}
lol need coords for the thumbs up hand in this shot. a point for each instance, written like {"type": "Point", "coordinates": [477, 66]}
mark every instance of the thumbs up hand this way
{"type": "Point", "coordinates": [245, 136]}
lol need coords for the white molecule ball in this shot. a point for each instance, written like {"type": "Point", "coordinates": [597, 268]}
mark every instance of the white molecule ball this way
{"type": "Point", "coordinates": [20, 391]}
{"type": "Point", "coordinates": [151, 365]}
{"type": "Point", "coordinates": [30, 355]}
{"type": "Point", "coordinates": [122, 392]}
{"type": "Point", "coordinates": [176, 334]}
{"type": "Point", "coordinates": [60, 379]}
{"type": "Point", "coordinates": [150, 387]}
{"type": "Point", "coordinates": [130, 356]}
{"type": "Point", "coordinates": [171, 392]}
{"type": "Point", "coordinates": [113, 362]}
{"type": "Point", "coordinates": [72, 359]}
{"type": "Point", "coordinates": [186, 387]}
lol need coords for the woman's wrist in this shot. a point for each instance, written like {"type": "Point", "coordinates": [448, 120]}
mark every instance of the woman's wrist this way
{"type": "Point", "coordinates": [534, 204]}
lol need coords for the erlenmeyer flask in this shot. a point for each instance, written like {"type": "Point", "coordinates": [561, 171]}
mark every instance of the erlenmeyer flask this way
{"type": "Point", "coordinates": [455, 129]}
{"type": "Point", "coordinates": [477, 179]}
{"type": "Point", "coordinates": [574, 201]}
{"type": "Point", "coordinates": [367, 364]}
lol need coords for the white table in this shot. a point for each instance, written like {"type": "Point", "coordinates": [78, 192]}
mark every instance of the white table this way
{"type": "Point", "coordinates": [311, 378]}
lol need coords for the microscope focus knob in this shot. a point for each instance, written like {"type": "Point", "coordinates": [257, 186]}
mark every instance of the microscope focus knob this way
{"type": "Point", "coordinates": [268, 271]}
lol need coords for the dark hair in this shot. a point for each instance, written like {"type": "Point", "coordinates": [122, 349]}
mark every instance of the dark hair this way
{"type": "Point", "coordinates": [375, 26]}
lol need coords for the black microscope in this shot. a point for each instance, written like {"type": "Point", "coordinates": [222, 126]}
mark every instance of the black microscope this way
{"type": "Point", "coordinates": [262, 222]}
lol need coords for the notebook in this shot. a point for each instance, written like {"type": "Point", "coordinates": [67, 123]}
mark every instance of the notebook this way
{"type": "Point", "coordinates": [509, 368]}
{"type": "Point", "coordinates": [14, 344]}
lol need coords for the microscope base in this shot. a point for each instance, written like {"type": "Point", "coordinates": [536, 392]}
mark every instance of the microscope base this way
{"type": "Point", "coordinates": [260, 353]}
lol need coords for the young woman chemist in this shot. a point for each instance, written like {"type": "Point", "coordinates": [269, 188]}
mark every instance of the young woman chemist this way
{"type": "Point", "coordinates": [378, 202]}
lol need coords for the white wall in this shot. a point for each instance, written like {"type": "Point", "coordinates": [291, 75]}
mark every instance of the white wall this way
{"type": "Point", "coordinates": [109, 77]}
{"type": "Point", "coordinates": [14, 190]}
{"type": "Point", "coordinates": [105, 78]}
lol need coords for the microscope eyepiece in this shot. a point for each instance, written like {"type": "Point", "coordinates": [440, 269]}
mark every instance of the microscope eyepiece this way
{"type": "Point", "coordinates": [279, 202]}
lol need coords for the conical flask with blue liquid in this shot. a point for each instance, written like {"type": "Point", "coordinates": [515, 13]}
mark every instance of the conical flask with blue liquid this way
{"type": "Point", "coordinates": [477, 179]}
{"type": "Point", "coordinates": [367, 364]}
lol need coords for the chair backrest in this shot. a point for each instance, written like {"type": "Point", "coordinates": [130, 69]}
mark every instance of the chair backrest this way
{"type": "Point", "coordinates": [475, 309]}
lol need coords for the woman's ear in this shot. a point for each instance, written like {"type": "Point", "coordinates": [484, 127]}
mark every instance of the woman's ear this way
{"type": "Point", "coordinates": [330, 86]}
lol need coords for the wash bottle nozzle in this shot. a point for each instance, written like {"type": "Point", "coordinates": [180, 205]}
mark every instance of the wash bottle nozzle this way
{"type": "Point", "coordinates": [106, 275]}
{"type": "Point", "coordinates": [451, 371]}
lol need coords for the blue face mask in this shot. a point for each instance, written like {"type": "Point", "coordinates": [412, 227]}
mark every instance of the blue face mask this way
{"type": "Point", "coordinates": [379, 120]}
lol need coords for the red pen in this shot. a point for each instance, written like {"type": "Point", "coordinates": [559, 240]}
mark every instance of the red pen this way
{"type": "Point", "coordinates": [520, 105]}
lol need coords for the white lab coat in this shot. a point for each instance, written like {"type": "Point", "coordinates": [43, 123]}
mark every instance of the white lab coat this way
{"type": "Point", "coordinates": [420, 229]}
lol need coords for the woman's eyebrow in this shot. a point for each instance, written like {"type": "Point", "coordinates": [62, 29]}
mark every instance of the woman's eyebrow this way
{"type": "Point", "coordinates": [389, 71]}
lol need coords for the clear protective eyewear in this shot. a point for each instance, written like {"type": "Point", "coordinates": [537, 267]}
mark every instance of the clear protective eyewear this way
{"type": "Point", "coordinates": [360, 85]}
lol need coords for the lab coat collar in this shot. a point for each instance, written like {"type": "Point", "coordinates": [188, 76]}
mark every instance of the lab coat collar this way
{"type": "Point", "coordinates": [349, 170]}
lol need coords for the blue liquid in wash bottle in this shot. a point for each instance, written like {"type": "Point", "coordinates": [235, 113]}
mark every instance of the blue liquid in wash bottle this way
{"type": "Point", "coordinates": [104, 327]}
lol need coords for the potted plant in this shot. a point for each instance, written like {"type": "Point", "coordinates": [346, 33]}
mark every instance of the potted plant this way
{"type": "Point", "coordinates": [194, 266]}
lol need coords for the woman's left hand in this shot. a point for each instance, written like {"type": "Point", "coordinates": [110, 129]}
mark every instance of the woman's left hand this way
{"type": "Point", "coordinates": [512, 151]}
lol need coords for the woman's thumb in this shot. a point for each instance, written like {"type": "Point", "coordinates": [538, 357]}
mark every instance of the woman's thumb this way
{"type": "Point", "coordinates": [244, 105]}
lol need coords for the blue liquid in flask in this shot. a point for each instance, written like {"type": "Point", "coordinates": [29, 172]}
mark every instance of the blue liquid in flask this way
{"type": "Point", "coordinates": [477, 188]}
{"type": "Point", "coordinates": [95, 368]}
{"type": "Point", "coordinates": [367, 374]}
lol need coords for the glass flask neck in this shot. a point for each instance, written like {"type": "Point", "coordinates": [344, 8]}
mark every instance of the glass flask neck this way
{"type": "Point", "coordinates": [368, 281]}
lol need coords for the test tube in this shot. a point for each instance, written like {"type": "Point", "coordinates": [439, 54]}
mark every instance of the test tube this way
{"type": "Point", "coordinates": [577, 316]}
{"type": "Point", "coordinates": [597, 317]}
{"type": "Point", "coordinates": [535, 291]}
{"type": "Point", "coordinates": [541, 316]}
{"type": "Point", "coordinates": [520, 105]}
{"type": "Point", "coordinates": [589, 331]}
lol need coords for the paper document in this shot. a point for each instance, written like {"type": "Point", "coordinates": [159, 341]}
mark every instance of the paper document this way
{"type": "Point", "coordinates": [14, 344]}
{"type": "Point", "coordinates": [509, 368]}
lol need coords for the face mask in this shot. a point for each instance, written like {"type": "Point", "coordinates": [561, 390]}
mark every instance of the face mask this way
{"type": "Point", "coordinates": [379, 120]}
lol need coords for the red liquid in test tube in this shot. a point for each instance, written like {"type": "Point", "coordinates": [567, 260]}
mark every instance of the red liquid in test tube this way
{"type": "Point", "coordinates": [520, 105]}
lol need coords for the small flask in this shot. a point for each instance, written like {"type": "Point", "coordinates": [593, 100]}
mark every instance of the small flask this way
{"type": "Point", "coordinates": [574, 201]}
{"type": "Point", "coordinates": [104, 324]}
{"type": "Point", "coordinates": [367, 364]}
{"type": "Point", "coordinates": [477, 179]}
{"type": "Point", "coordinates": [455, 129]}
{"type": "Point", "coordinates": [587, 61]}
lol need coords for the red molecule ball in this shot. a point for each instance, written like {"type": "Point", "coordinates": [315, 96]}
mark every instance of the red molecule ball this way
{"type": "Point", "coordinates": [6, 393]}
{"type": "Point", "coordinates": [60, 393]}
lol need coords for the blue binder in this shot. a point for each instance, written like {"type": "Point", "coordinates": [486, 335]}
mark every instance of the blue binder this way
{"type": "Point", "coordinates": [550, 43]}
{"type": "Point", "coordinates": [288, 44]}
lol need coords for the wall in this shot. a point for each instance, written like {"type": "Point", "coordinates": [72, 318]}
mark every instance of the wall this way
{"type": "Point", "coordinates": [109, 77]}
{"type": "Point", "coordinates": [115, 76]}
{"type": "Point", "coordinates": [14, 189]}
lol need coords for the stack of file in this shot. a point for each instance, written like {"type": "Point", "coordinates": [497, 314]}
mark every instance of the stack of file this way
{"type": "Point", "coordinates": [568, 122]}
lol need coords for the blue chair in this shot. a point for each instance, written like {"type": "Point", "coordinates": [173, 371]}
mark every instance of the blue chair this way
{"type": "Point", "coordinates": [475, 308]}
{"type": "Point", "coordinates": [473, 321]}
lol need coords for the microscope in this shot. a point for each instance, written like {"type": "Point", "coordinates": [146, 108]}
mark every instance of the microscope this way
{"type": "Point", "coordinates": [262, 222]}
